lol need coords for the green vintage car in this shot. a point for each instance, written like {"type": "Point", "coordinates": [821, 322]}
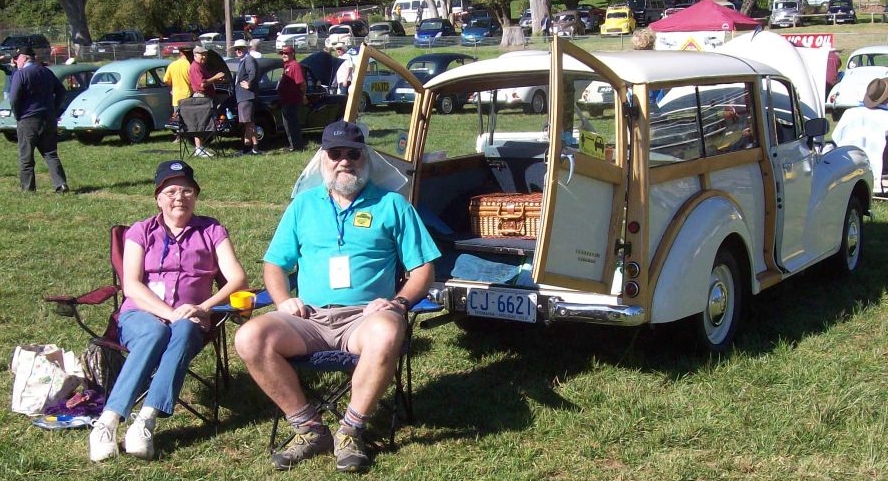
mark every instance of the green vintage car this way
{"type": "Point", "coordinates": [75, 78]}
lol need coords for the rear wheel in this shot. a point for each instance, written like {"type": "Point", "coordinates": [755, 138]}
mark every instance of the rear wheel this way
{"type": "Point", "coordinates": [447, 104]}
{"type": "Point", "coordinates": [365, 103]}
{"type": "Point", "coordinates": [134, 128]}
{"type": "Point", "coordinates": [717, 324]}
{"type": "Point", "coordinates": [847, 259]}
{"type": "Point", "coordinates": [537, 103]}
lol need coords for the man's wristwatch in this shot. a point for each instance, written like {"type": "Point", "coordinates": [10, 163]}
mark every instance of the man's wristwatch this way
{"type": "Point", "coordinates": [403, 301]}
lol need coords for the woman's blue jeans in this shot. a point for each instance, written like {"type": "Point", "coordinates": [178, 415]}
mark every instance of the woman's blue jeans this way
{"type": "Point", "coordinates": [154, 347]}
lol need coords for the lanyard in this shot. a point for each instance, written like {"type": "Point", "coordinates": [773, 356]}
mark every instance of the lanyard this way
{"type": "Point", "coordinates": [340, 227]}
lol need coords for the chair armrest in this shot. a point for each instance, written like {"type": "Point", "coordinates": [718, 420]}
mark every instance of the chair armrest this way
{"type": "Point", "coordinates": [93, 297]}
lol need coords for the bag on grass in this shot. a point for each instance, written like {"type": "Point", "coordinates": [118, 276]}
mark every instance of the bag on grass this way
{"type": "Point", "coordinates": [101, 366]}
{"type": "Point", "coordinates": [40, 378]}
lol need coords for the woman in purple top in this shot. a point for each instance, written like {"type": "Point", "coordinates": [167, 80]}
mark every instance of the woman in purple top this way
{"type": "Point", "coordinates": [169, 264]}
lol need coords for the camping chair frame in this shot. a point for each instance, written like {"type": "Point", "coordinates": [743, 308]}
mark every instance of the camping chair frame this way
{"type": "Point", "coordinates": [199, 117]}
{"type": "Point", "coordinates": [69, 306]}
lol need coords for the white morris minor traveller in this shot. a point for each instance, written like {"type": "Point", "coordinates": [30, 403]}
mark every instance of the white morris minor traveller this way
{"type": "Point", "coordinates": [705, 182]}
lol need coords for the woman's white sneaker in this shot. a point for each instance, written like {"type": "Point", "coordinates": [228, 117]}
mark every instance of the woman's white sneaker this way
{"type": "Point", "coordinates": [102, 442]}
{"type": "Point", "coordinates": [139, 440]}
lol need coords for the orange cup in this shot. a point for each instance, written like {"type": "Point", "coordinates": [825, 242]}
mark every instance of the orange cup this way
{"type": "Point", "coordinates": [242, 300]}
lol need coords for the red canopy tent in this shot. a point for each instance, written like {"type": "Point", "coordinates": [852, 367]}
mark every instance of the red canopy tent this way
{"type": "Point", "coordinates": [705, 15]}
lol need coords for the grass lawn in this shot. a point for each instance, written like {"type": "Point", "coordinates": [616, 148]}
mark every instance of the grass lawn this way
{"type": "Point", "coordinates": [801, 397]}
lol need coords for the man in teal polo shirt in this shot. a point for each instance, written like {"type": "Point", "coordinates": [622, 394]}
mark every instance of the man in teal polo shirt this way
{"type": "Point", "coordinates": [348, 239]}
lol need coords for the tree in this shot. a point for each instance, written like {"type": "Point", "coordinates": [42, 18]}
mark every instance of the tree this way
{"type": "Point", "coordinates": [75, 10]}
{"type": "Point", "coordinates": [538, 10]}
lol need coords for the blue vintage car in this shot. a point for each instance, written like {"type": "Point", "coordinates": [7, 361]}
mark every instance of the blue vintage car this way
{"type": "Point", "coordinates": [480, 31]}
{"type": "Point", "coordinates": [127, 97]}
{"type": "Point", "coordinates": [75, 78]}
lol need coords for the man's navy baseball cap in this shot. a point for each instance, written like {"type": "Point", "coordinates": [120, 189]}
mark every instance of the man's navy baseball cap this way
{"type": "Point", "coordinates": [342, 134]}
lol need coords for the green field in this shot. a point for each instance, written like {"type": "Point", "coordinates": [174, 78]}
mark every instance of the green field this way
{"type": "Point", "coordinates": [801, 397]}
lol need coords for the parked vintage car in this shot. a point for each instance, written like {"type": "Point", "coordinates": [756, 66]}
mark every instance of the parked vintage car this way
{"type": "Point", "coordinates": [318, 68]}
{"type": "Point", "coordinates": [75, 78]}
{"type": "Point", "coordinates": [568, 24]}
{"type": "Point", "coordinates": [480, 31]}
{"type": "Point", "coordinates": [423, 68]}
{"type": "Point", "coordinates": [840, 11]}
{"type": "Point", "coordinates": [177, 41]}
{"type": "Point", "coordinates": [266, 32]}
{"type": "Point", "coordinates": [619, 20]}
{"type": "Point", "coordinates": [381, 33]}
{"type": "Point", "coordinates": [340, 35]}
{"type": "Point", "coordinates": [786, 13]}
{"type": "Point", "coordinates": [672, 208]}
{"type": "Point", "coordinates": [433, 32]}
{"type": "Point", "coordinates": [378, 82]}
{"type": "Point", "coordinates": [596, 98]}
{"type": "Point", "coordinates": [533, 99]}
{"type": "Point", "coordinates": [298, 36]}
{"type": "Point", "coordinates": [526, 22]}
{"type": "Point", "coordinates": [863, 65]}
{"type": "Point", "coordinates": [152, 46]}
{"type": "Point", "coordinates": [216, 41]}
{"type": "Point", "coordinates": [126, 97]}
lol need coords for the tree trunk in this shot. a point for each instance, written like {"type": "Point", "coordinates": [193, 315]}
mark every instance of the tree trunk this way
{"type": "Point", "coordinates": [538, 10]}
{"type": "Point", "coordinates": [513, 38]}
{"type": "Point", "coordinates": [75, 10]}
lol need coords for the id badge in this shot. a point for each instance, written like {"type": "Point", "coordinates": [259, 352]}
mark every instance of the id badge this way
{"type": "Point", "coordinates": [340, 275]}
{"type": "Point", "coordinates": [159, 289]}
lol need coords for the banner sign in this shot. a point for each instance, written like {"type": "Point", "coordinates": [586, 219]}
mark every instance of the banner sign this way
{"type": "Point", "coordinates": [811, 40]}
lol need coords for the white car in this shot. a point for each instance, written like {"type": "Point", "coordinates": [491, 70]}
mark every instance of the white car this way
{"type": "Point", "coordinates": [533, 99]}
{"type": "Point", "coordinates": [297, 35]}
{"type": "Point", "coordinates": [340, 35]}
{"type": "Point", "coordinates": [596, 97]}
{"type": "Point", "coordinates": [707, 183]}
{"type": "Point", "coordinates": [152, 47]}
{"type": "Point", "coordinates": [864, 65]}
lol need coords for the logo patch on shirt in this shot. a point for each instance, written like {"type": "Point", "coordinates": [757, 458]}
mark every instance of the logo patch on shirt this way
{"type": "Point", "coordinates": [363, 219]}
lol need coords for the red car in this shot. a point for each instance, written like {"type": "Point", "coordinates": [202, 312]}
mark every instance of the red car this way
{"type": "Point", "coordinates": [170, 47]}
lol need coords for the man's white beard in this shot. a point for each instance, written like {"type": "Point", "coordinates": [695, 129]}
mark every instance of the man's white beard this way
{"type": "Point", "coordinates": [345, 183]}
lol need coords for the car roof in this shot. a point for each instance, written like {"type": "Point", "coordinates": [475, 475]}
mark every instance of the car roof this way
{"type": "Point", "coordinates": [134, 64]}
{"type": "Point", "coordinates": [870, 49]}
{"type": "Point", "coordinates": [633, 67]}
{"type": "Point", "coordinates": [61, 70]}
{"type": "Point", "coordinates": [439, 56]}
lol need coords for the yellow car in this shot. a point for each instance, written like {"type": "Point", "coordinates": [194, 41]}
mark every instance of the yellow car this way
{"type": "Point", "coordinates": [618, 20]}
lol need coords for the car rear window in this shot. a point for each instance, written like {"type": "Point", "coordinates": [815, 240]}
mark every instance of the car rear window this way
{"type": "Point", "coordinates": [105, 78]}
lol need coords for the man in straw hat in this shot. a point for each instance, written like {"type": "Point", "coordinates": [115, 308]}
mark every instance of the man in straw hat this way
{"type": "Point", "coordinates": [866, 127]}
{"type": "Point", "coordinates": [246, 84]}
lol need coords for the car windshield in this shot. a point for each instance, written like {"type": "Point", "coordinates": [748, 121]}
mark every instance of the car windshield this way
{"type": "Point", "coordinates": [433, 25]}
{"type": "Point", "coordinates": [840, 5]}
{"type": "Point", "coordinates": [294, 30]}
{"type": "Point", "coordinates": [181, 37]}
{"type": "Point", "coordinates": [564, 18]}
{"type": "Point", "coordinates": [112, 37]}
{"type": "Point", "coordinates": [785, 5]}
{"type": "Point", "coordinates": [380, 28]}
{"type": "Point", "coordinates": [481, 22]}
{"type": "Point", "coordinates": [340, 29]}
{"type": "Point", "coordinates": [260, 31]}
{"type": "Point", "coordinates": [105, 78]}
{"type": "Point", "coordinates": [617, 15]}
{"type": "Point", "coordinates": [15, 42]}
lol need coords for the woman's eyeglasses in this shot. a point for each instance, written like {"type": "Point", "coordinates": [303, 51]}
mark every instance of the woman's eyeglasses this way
{"type": "Point", "coordinates": [336, 154]}
{"type": "Point", "coordinates": [173, 193]}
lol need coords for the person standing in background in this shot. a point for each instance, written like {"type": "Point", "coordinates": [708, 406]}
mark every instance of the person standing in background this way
{"type": "Point", "coordinates": [36, 96]}
{"type": "Point", "coordinates": [7, 64]}
{"type": "Point", "coordinates": [203, 85]}
{"type": "Point", "coordinates": [176, 76]}
{"type": "Point", "coordinates": [246, 83]}
{"type": "Point", "coordinates": [344, 72]}
{"type": "Point", "coordinates": [254, 48]}
{"type": "Point", "coordinates": [292, 89]}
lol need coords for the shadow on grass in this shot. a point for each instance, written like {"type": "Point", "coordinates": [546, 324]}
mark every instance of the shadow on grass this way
{"type": "Point", "coordinates": [530, 362]}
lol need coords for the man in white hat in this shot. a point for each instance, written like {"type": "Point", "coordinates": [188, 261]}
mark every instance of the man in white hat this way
{"type": "Point", "coordinates": [246, 84]}
{"type": "Point", "coordinates": [866, 127]}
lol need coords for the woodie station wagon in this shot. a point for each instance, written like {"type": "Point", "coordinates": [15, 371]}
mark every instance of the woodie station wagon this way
{"type": "Point", "coordinates": [694, 189]}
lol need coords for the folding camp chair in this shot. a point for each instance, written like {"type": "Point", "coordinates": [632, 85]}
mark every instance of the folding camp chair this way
{"type": "Point", "coordinates": [69, 306]}
{"type": "Point", "coordinates": [343, 364]}
{"type": "Point", "coordinates": [198, 118]}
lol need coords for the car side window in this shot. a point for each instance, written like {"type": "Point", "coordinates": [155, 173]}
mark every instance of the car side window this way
{"type": "Point", "coordinates": [270, 79]}
{"type": "Point", "coordinates": [784, 120]}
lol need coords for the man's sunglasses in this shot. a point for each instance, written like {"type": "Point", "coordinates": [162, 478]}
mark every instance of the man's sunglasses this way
{"type": "Point", "coordinates": [339, 153]}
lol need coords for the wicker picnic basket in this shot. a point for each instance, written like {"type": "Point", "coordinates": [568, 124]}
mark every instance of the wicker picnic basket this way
{"type": "Point", "coordinates": [506, 215]}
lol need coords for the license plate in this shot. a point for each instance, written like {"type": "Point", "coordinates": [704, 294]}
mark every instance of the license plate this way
{"type": "Point", "coordinates": [502, 304]}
